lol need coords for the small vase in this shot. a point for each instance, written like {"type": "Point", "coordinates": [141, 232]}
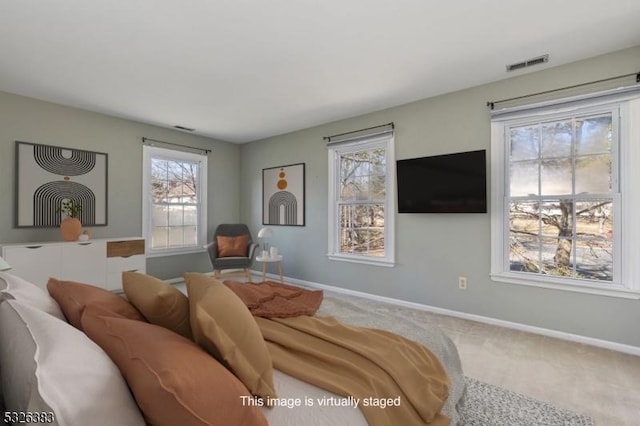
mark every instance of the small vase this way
{"type": "Point", "coordinates": [70, 228]}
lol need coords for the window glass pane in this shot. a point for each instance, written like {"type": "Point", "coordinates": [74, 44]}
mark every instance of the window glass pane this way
{"type": "Point", "coordinates": [557, 217]}
{"type": "Point", "coordinates": [190, 235]}
{"type": "Point", "coordinates": [190, 215]}
{"type": "Point", "coordinates": [523, 253]}
{"type": "Point", "coordinates": [176, 236]}
{"type": "Point", "coordinates": [378, 189]}
{"type": "Point", "coordinates": [593, 135]}
{"type": "Point", "coordinates": [175, 215]}
{"type": "Point", "coordinates": [362, 229]}
{"type": "Point", "coordinates": [523, 178]}
{"type": "Point", "coordinates": [524, 218]}
{"type": "Point", "coordinates": [160, 237]}
{"type": "Point", "coordinates": [594, 219]}
{"type": "Point", "coordinates": [557, 257]}
{"type": "Point", "coordinates": [525, 142]}
{"type": "Point", "coordinates": [556, 177]}
{"type": "Point", "coordinates": [593, 174]}
{"type": "Point", "coordinates": [556, 139]}
{"type": "Point", "coordinates": [594, 259]}
{"type": "Point", "coordinates": [159, 215]}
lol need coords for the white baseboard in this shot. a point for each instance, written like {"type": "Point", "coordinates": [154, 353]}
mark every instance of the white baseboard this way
{"type": "Point", "coordinates": [633, 350]}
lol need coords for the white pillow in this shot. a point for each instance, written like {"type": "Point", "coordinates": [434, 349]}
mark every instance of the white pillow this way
{"type": "Point", "coordinates": [30, 294]}
{"type": "Point", "coordinates": [48, 365]}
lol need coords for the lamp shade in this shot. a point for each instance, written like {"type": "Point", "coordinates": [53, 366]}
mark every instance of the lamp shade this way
{"type": "Point", "coordinates": [4, 265]}
{"type": "Point", "coordinates": [265, 233]}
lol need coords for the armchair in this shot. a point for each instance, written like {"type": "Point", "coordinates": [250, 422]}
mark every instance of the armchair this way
{"type": "Point", "coordinates": [232, 248]}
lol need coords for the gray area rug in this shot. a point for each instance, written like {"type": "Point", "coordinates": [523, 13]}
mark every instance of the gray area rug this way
{"type": "Point", "coordinates": [488, 405]}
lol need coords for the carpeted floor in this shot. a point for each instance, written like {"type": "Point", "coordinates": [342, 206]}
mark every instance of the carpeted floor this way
{"type": "Point", "coordinates": [488, 405]}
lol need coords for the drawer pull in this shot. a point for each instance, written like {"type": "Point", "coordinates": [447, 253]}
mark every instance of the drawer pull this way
{"type": "Point", "coordinates": [34, 247]}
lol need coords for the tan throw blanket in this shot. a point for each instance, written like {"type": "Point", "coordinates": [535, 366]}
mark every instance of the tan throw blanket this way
{"type": "Point", "coordinates": [274, 300]}
{"type": "Point", "coordinates": [374, 367]}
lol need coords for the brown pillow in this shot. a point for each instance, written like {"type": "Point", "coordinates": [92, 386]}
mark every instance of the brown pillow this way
{"type": "Point", "coordinates": [173, 380]}
{"type": "Point", "coordinates": [74, 297]}
{"type": "Point", "coordinates": [232, 246]}
{"type": "Point", "coordinates": [159, 302]}
{"type": "Point", "coordinates": [223, 325]}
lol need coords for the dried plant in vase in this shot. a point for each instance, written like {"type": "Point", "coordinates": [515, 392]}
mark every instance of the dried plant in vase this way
{"type": "Point", "coordinates": [70, 226]}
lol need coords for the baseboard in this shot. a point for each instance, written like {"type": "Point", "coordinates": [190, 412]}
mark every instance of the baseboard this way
{"type": "Point", "coordinates": [606, 344]}
{"type": "Point", "coordinates": [619, 347]}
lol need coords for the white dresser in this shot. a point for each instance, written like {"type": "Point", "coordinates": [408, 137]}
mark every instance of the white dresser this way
{"type": "Point", "coordinates": [99, 262]}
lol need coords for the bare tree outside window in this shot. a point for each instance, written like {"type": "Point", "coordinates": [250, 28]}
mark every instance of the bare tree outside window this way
{"type": "Point", "coordinates": [362, 201]}
{"type": "Point", "coordinates": [174, 203]}
{"type": "Point", "coordinates": [561, 198]}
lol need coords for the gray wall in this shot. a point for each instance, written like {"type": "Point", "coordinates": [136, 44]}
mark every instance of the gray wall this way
{"type": "Point", "coordinates": [433, 250]}
{"type": "Point", "coordinates": [30, 120]}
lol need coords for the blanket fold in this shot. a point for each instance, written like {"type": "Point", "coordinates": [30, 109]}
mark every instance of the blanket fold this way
{"type": "Point", "coordinates": [275, 300]}
{"type": "Point", "coordinates": [368, 364]}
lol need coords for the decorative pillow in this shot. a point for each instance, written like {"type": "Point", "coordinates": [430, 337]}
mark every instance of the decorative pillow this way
{"type": "Point", "coordinates": [232, 246]}
{"type": "Point", "coordinates": [174, 381]}
{"type": "Point", "coordinates": [50, 367]}
{"type": "Point", "coordinates": [159, 302]}
{"type": "Point", "coordinates": [73, 297]}
{"type": "Point", "coordinates": [223, 325]}
{"type": "Point", "coordinates": [28, 293]}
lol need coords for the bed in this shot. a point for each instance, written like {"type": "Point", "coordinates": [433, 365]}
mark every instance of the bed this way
{"type": "Point", "coordinates": [76, 355]}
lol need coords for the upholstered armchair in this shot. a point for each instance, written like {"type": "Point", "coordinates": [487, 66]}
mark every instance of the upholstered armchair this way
{"type": "Point", "coordinates": [232, 249]}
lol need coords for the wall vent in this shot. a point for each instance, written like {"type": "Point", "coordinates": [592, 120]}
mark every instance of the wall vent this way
{"type": "Point", "coordinates": [528, 63]}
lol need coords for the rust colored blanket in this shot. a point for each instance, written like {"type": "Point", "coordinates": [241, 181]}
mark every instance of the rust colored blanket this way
{"type": "Point", "coordinates": [373, 367]}
{"type": "Point", "coordinates": [274, 300]}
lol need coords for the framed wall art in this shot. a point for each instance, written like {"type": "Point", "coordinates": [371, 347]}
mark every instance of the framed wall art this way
{"type": "Point", "coordinates": [48, 175]}
{"type": "Point", "coordinates": [283, 195]}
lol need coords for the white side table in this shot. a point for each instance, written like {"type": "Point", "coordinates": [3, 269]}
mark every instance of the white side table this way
{"type": "Point", "coordinates": [270, 259]}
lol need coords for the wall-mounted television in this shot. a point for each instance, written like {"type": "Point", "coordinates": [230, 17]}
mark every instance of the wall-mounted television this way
{"type": "Point", "coordinates": [451, 183]}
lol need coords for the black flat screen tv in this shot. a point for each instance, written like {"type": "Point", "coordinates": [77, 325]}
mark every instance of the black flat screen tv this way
{"type": "Point", "coordinates": [451, 183]}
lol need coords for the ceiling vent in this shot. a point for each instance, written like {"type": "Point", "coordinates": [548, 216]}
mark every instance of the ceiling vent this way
{"type": "Point", "coordinates": [528, 63]}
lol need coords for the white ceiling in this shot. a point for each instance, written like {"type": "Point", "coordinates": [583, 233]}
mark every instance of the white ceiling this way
{"type": "Point", "coordinates": [242, 70]}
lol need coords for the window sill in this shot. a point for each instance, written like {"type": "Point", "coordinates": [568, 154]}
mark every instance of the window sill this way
{"type": "Point", "coordinates": [362, 259]}
{"type": "Point", "coordinates": [174, 252]}
{"type": "Point", "coordinates": [612, 290]}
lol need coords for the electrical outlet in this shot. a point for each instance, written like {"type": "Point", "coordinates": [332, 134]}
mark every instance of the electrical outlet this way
{"type": "Point", "coordinates": [462, 283]}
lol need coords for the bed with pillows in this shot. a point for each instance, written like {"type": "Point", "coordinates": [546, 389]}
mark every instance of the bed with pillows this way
{"type": "Point", "coordinates": [74, 354]}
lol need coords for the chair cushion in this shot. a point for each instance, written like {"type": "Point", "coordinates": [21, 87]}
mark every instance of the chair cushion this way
{"type": "Point", "coordinates": [51, 367]}
{"type": "Point", "coordinates": [74, 297]}
{"type": "Point", "coordinates": [174, 381]}
{"type": "Point", "coordinates": [160, 302]}
{"type": "Point", "coordinates": [223, 325]}
{"type": "Point", "coordinates": [232, 246]}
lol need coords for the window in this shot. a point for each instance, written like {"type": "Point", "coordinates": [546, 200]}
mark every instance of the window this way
{"type": "Point", "coordinates": [361, 201]}
{"type": "Point", "coordinates": [561, 196]}
{"type": "Point", "coordinates": [174, 201]}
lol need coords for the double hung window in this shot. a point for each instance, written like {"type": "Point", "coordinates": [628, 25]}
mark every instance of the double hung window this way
{"type": "Point", "coordinates": [361, 201]}
{"type": "Point", "coordinates": [174, 201]}
{"type": "Point", "coordinates": [563, 193]}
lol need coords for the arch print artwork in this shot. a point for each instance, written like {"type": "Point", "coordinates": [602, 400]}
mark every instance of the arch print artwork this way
{"type": "Point", "coordinates": [283, 195]}
{"type": "Point", "coordinates": [48, 175]}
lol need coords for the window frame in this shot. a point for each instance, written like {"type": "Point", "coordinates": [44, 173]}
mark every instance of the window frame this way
{"type": "Point", "coordinates": [626, 201]}
{"type": "Point", "coordinates": [153, 152]}
{"type": "Point", "coordinates": [385, 141]}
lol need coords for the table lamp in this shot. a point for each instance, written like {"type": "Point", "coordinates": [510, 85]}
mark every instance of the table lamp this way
{"type": "Point", "coordinates": [265, 233]}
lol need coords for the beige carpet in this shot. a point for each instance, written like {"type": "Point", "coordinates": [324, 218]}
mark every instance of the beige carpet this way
{"type": "Point", "coordinates": [600, 383]}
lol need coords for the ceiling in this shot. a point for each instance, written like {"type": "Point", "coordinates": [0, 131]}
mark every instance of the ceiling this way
{"type": "Point", "coordinates": [243, 70]}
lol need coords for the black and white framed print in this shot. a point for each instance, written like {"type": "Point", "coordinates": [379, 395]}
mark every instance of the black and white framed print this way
{"type": "Point", "coordinates": [283, 195]}
{"type": "Point", "coordinates": [48, 175]}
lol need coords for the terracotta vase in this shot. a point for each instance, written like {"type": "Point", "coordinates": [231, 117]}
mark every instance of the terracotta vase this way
{"type": "Point", "coordinates": [70, 228]}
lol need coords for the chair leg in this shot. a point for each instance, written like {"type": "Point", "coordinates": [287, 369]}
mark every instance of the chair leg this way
{"type": "Point", "coordinates": [248, 272]}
